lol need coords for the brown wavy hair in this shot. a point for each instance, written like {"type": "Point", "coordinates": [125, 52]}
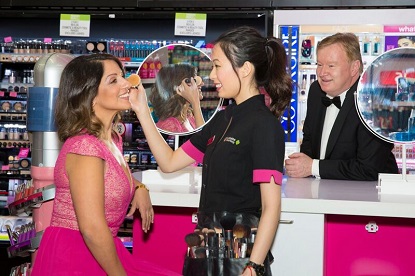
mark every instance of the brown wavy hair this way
{"type": "Point", "coordinates": [78, 87]}
{"type": "Point", "coordinates": [163, 96]}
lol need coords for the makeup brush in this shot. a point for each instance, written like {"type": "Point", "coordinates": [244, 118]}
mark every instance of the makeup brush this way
{"type": "Point", "coordinates": [193, 241]}
{"type": "Point", "coordinates": [227, 222]}
{"type": "Point", "coordinates": [240, 232]}
{"type": "Point", "coordinates": [200, 252]}
{"type": "Point", "coordinates": [251, 241]}
{"type": "Point", "coordinates": [134, 80]}
{"type": "Point", "coordinates": [202, 236]}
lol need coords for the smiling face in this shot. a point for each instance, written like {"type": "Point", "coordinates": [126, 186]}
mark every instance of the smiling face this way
{"type": "Point", "coordinates": [112, 91]}
{"type": "Point", "coordinates": [335, 72]}
{"type": "Point", "coordinates": [227, 82]}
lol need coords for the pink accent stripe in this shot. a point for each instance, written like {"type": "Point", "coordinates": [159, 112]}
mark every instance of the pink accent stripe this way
{"type": "Point", "coordinates": [261, 176]}
{"type": "Point", "coordinates": [192, 151]}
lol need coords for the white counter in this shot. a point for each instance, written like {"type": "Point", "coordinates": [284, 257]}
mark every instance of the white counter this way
{"type": "Point", "coordinates": [309, 195]}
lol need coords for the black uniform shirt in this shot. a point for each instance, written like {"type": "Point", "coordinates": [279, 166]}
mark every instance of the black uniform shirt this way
{"type": "Point", "coordinates": [240, 146]}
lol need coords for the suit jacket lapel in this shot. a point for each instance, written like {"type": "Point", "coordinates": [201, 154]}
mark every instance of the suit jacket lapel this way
{"type": "Point", "coordinates": [321, 113]}
{"type": "Point", "coordinates": [347, 106]}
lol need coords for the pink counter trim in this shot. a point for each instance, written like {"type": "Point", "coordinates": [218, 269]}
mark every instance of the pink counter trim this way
{"type": "Point", "coordinates": [261, 176]}
{"type": "Point", "coordinates": [192, 151]}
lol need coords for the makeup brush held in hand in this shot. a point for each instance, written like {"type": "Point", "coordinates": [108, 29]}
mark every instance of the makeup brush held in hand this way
{"type": "Point", "coordinates": [134, 80]}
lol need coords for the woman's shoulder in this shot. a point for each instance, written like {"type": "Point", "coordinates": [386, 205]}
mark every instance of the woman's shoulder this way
{"type": "Point", "coordinates": [171, 124]}
{"type": "Point", "coordinates": [84, 144]}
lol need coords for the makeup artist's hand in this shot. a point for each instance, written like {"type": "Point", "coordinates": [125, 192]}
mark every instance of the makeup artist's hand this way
{"type": "Point", "coordinates": [138, 100]}
{"type": "Point", "coordinates": [298, 165]}
{"type": "Point", "coordinates": [142, 202]}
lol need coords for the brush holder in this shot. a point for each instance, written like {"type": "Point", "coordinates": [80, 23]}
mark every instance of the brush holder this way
{"type": "Point", "coordinates": [221, 259]}
{"type": "Point", "coordinates": [219, 266]}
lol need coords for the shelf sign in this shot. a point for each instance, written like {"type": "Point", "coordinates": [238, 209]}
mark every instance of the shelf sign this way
{"type": "Point", "coordinates": [190, 24]}
{"type": "Point", "coordinates": [75, 25]}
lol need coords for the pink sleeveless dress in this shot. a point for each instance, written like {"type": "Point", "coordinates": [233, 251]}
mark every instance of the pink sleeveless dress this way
{"type": "Point", "coordinates": [62, 250]}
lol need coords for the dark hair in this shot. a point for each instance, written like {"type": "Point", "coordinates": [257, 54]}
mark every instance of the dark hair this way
{"type": "Point", "coordinates": [163, 97]}
{"type": "Point", "coordinates": [78, 87]}
{"type": "Point", "coordinates": [269, 58]}
{"type": "Point", "coordinates": [350, 44]}
{"type": "Point", "coordinates": [411, 38]}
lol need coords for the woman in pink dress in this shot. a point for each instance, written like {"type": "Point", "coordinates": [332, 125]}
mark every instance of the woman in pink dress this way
{"type": "Point", "coordinates": [94, 186]}
{"type": "Point", "coordinates": [177, 110]}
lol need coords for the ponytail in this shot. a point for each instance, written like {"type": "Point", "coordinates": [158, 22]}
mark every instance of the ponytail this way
{"type": "Point", "coordinates": [269, 58]}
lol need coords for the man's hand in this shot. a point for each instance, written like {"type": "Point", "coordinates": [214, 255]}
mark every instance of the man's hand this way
{"type": "Point", "coordinates": [298, 165]}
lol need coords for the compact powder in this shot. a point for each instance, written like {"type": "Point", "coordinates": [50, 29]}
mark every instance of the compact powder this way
{"type": "Point", "coordinates": [24, 163]}
{"type": "Point", "coordinates": [18, 106]}
{"type": "Point", "coordinates": [101, 46]}
{"type": "Point", "coordinates": [5, 106]}
{"type": "Point", "coordinates": [90, 46]}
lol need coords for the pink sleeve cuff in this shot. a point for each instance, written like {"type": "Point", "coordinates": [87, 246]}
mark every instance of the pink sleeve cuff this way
{"type": "Point", "coordinates": [192, 151]}
{"type": "Point", "coordinates": [261, 176]}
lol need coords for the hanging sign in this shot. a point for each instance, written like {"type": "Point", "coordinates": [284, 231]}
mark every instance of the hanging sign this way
{"type": "Point", "coordinates": [75, 25]}
{"type": "Point", "coordinates": [190, 24]}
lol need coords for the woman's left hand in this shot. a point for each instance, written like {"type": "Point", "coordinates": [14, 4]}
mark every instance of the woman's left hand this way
{"type": "Point", "coordinates": [142, 202]}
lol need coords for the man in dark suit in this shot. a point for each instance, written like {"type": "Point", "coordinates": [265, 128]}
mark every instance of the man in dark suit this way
{"type": "Point", "coordinates": [336, 144]}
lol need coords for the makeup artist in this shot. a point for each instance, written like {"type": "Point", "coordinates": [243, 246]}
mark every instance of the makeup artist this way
{"type": "Point", "coordinates": [94, 186]}
{"type": "Point", "coordinates": [242, 148]}
{"type": "Point", "coordinates": [336, 144]}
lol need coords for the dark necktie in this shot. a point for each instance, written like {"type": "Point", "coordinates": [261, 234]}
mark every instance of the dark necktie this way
{"type": "Point", "coordinates": [327, 101]}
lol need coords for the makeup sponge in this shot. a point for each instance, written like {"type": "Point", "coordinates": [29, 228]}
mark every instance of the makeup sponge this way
{"type": "Point", "coordinates": [134, 80]}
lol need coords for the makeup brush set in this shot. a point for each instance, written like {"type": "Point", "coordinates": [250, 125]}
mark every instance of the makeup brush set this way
{"type": "Point", "coordinates": [220, 245]}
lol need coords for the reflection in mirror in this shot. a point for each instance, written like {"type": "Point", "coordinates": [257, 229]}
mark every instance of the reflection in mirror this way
{"type": "Point", "coordinates": [176, 109]}
{"type": "Point", "coordinates": [386, 96]}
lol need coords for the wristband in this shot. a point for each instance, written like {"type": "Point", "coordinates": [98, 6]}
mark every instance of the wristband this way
{"type": "Point", "coordinates": [259, 268]}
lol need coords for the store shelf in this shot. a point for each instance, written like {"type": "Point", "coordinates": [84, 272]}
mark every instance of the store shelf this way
{"type": "Point", "coordinates": [25, 205]}
{"type": "Point", "coordinates": [25, 248]}
{"type": "Point", "coordinates": [26, 58]}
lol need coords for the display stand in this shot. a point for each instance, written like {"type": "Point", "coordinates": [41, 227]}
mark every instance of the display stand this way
{"type": "Point", "coordinates": [385, 100]}
{"type": "Point", "coordinates": [397, 183]}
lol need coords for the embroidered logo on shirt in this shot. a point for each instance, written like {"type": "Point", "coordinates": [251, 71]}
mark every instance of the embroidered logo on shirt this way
{"type": "Point", "coordinates": [231, 140]}
{"type": "Point", "coordinates": [211, 139]}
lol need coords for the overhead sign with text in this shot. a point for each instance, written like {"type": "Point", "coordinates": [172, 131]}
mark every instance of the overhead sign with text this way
{"type": "Point", "coordinates": [190, 24]}
{"type": "Point", "coordinates": [75, 25]}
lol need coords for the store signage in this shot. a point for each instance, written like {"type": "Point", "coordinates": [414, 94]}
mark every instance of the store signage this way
{"type": "Point", "coordinates": [75, 25]}
{"type": "Point", "coordinates": [190, 24]}
{"type": "Point", "coordinates": [390, 78]}
{"type": "Point", "coordinates": [399, 29]}
{"type": "Point", "coordinates": [290, 39]}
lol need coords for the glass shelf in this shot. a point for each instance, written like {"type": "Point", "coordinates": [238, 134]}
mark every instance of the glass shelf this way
{"type": "Point", "coordinates": [25, 248]}
{"type": "Point", "coordinates": [25, 205]}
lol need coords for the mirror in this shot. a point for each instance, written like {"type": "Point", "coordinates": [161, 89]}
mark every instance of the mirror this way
{"type": "Point", "coordinates": [162, 73]}
{"type": "Point", "coordinates": [385, 97]}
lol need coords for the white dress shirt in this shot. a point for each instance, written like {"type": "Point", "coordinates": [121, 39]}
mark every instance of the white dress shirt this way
{"type": "Point", "coordinates": [331, 115]}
